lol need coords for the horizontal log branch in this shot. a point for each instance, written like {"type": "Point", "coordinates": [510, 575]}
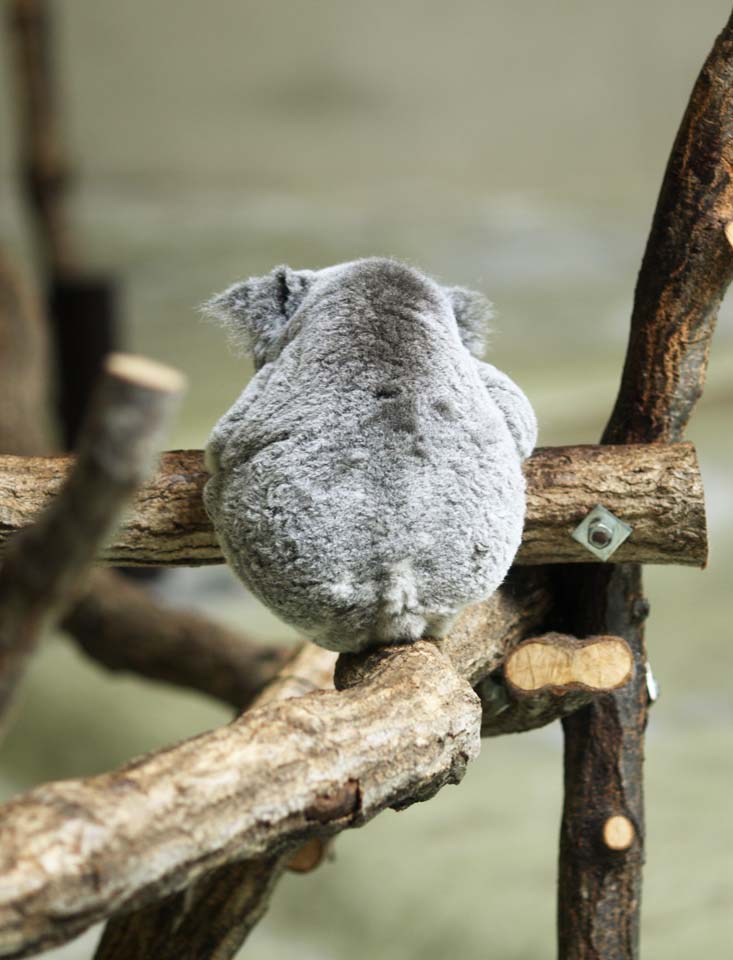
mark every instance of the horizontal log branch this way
{"type": "Point", "coordinates": [75, 852]}
{"type": "Point", "coordinates": [658, 491]}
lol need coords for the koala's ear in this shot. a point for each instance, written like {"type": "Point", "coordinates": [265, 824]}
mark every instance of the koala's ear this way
{"type": "Point", "coordinates": [256, 312]}
{"type": "Point", "coordinates": [473, 313]}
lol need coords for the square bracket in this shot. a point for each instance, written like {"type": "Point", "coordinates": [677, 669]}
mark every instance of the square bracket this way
{"type": "Point", "coordinates": [601, 532]}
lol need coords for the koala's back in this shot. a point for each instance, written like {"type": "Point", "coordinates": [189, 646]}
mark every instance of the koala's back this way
{"type": "Point", "coordinates": [369, 488]}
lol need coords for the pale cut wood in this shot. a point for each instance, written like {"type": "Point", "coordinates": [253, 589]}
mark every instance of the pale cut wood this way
{"type": "Point", "coordinates": [618, 832]}
{"type": "Point", "coordinates": [657, 490]}
{"type": "Point", "coordinates": [550, 677]}
{"type": "Point", "coordinates": [559, 662]}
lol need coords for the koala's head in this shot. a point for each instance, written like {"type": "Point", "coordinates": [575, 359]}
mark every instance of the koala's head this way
{"type": "Point", "coordinates": [258, 312]}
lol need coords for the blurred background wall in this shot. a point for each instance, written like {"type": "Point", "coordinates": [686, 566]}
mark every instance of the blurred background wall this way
{"type": "Point", "coordinates": [513, 147]}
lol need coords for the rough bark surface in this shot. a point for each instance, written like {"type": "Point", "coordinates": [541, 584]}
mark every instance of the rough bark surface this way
{"type": "Point", "coordinates": [213, 917]}
{"type": "Point", "coordinates": [47, 563]}
{"type": "Point", "coordinates": [687, 267]}
{"type": "Point", "coordinates": [75, 851]}
{"type": "Point", "coordinates": [478, 642]}
{"type": "Point", "coordinates": [600, 889]}
{"type": "Point", "coordinates": [658, 491]}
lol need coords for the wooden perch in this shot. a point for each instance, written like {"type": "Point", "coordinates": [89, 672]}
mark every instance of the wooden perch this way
{"type": "Point", "coordinates": [123, 628]}
{"type": "Point", "coordinates": [74, 852]}
{"type": "Point", "coordinates": [214, 916]}
{"type": "Point", "coordinates": [114, 621]}
{"type": "Point", "coordinates": [687, 267]}
{"type": "Point", "coordinates": [658, 492]}
{"type": "Point", "coordinates": [46, 565]}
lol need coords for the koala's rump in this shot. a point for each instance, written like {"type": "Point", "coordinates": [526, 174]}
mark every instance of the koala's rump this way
{"type": "Point", "coordinates": [329, 526]}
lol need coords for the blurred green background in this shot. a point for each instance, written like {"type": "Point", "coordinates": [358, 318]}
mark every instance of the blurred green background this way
{"type": "Point", "coordinates": [513, 147]}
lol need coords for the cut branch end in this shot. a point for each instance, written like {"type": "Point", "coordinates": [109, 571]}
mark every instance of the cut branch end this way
{"type": "Point", "coordinates": [618, 833]}
{"type": "Point", "coordinates": [145, 373]}
{"type": "Point", "coordinates": [559, 662]}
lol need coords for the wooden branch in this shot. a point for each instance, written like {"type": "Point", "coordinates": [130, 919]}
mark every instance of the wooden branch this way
{"type": "Point", "coordinates": [181, 925]}
{"type": "Point", "coordinates": [23, 365]}
{"type": "Point", "coordinates": [214, 916]}
{"type": "Point", "coordinates": [123, 628]}
{"type": "Point", "coordinates": [75, 852]}
{"type": "Point", "coordinates": [46, 564]}
{"type": "Point", "coordinates": [687, 266]}
{"type": "Point", "coordinates": [659, 492]}
{"type": "Point", "coordinates": [604, 749]}
{"type": "Point", "coordinates": [549, 677]}
{"type": "Point", "coordinates": [44, 164]}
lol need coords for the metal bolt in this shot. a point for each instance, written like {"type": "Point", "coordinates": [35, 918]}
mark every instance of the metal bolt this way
{"type": "Point", "coordinates": [599, 534]}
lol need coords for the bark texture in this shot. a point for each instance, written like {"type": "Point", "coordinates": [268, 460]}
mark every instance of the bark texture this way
{"type": "Point", "coordinates": [213, 917]}
{"type": "Point", "coordinates": [78, 851]}
{"type": "Point", "coordinates": [47, 563]}
{"type": "Point", "coordinates": [73, 852]}
{"type": "Point", "coordinates": [600, 889]}
{"type": "Point", "coordinates": [687, 267]}
{"type": "Point", "coordinates": [658, 491]}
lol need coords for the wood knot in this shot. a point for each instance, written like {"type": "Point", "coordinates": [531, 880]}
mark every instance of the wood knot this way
{"type": "Point", "coordinates": [335, 803]}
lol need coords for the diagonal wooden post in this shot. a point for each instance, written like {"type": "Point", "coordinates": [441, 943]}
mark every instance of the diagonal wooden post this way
{"type": "Point", "coordinates": [687, 267]}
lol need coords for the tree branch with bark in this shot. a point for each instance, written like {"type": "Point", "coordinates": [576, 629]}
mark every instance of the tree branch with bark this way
{"type": "Point", "coordinates": [45, 565]}
{"type": "Point", "coordinates": [657, 491]}
{"type": "Point", "coordinates": [685, 272]}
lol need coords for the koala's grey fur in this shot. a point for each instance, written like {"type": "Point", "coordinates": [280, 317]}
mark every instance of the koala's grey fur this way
{"type": "Point", "coordinates": [367, 484]}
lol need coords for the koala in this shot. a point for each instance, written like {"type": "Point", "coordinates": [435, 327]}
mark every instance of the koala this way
{"type": "Point", "coordinates": [367, 484]}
